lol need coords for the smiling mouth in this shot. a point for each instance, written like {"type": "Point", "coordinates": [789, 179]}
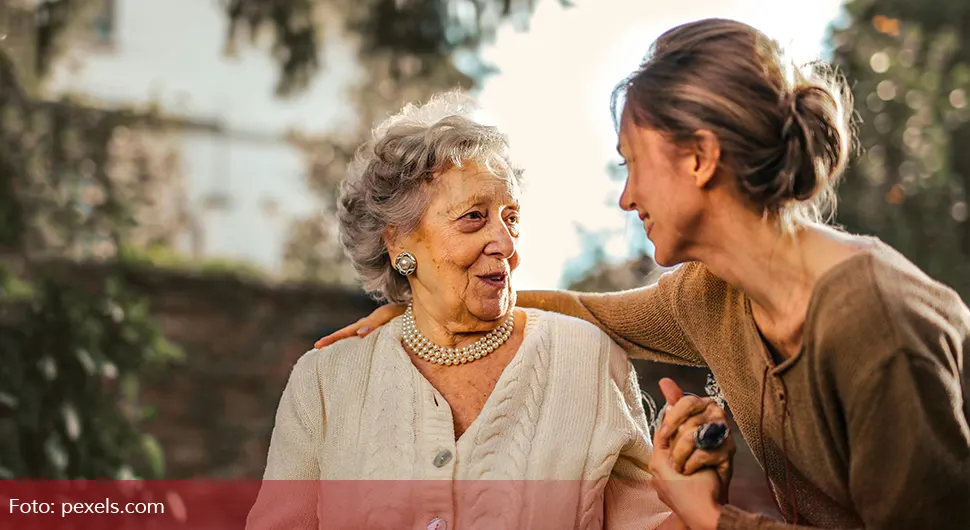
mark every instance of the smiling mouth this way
{"type": "Point", "coordinates": [497, 279]}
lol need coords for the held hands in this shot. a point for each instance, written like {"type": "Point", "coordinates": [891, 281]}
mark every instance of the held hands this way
{"type": "Point", "coordinates": [689, 480]}
{"type": "Point", "coordinates": [683, 417]}
{"type": "Point", "coordinates": [382, 315]}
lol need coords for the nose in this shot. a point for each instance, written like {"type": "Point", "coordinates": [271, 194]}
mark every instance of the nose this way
{"type": "Point", "coordinates": [501, 242]}
{"type": "Point", "coordinates": [626, 198]}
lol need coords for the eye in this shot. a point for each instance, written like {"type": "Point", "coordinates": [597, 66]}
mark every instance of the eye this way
{"type": "Point", "coordinates": [474, 216]}
{"type": "Point", "coordinates": [621, 164]}
{"type": "Point", "coordinates": [512, 221]}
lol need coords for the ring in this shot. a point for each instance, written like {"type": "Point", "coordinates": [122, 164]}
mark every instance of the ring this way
{"type": "Point", "coordinates": [710, 436]}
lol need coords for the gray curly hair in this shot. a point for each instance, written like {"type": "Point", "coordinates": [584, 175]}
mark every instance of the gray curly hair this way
{"type": "Point", "coordinates": [386, 184]}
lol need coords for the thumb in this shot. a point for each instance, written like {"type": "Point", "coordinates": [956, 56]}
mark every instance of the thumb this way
{"type": "Point", "coordinates": [671, 391]}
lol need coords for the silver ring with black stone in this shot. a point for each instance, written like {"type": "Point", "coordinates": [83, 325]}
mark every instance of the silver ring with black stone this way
{"type": "Point", "coordinates": [711, 435]}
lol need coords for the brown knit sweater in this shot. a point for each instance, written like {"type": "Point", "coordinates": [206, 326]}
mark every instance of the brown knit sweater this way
{"type": "Point", "coordinates": [867, 426]}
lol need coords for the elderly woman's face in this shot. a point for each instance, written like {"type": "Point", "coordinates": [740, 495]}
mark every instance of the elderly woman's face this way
{"type": "Point", "coordinates": [465, 246]}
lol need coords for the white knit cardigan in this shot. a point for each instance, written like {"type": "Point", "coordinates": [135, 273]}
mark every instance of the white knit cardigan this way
{"type": "Point", "coordinates": [363, 440]}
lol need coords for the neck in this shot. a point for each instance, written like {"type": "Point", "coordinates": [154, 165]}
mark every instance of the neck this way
{"type": "Point", "coordinates": [769, 265]}
{"type": "Point", "coordinates": [451, 332]}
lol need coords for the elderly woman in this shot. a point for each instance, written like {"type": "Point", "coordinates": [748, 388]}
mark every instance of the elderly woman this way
{"type": "Point", "coordinates": [464, 411]}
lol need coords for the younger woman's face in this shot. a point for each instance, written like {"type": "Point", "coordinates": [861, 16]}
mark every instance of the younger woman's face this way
{"type": "Point", "coordinates": [661, 188]}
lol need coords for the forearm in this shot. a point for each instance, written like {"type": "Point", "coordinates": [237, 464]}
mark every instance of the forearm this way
{"type": "Point", "coordinates": [562, 302]}
{"type": "Point", "coordinates": [733, 518]}
{"type": "Point", "coordinates": [638, 320]}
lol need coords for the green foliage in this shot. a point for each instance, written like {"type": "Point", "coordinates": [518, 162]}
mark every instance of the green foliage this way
{"type": "Point", "coordinates": [426, 31]}
{"type": "Point", "coordinates": [165, 257]}
{"type": "Point", "coordinates": [910, 67]}
{"type": "Point", "coordinates": [408, 50]}
{"type": "Point", "coordinates": [69, 398]}
{"type": "Point", "coordinates": [73, 184]}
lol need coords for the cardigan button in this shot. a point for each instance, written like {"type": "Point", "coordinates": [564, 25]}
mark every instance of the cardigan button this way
{"type": "Point", "coordinates": [437, 524]}
{"type": "Point", "coordinates": [442, 458]}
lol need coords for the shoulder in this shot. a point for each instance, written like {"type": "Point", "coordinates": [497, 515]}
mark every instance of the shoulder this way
{"type": "Point", "coordinates": [694, 277]}
{"type": "Point", "coordinates": [881, 303]}
{"type": "Point", "coordinates": [909, 294]}
{"type": "Point", "coordinates": [567, 332]}
{"type": "Point", "coordinates": [704, 305]}
{"type": "Point", "coordinates": [345, 356]}
{"type": "Point", "coordinates": [551, 322]}
{"type": "Point", "coordinates": [697, 295]}
{"type": "Point", "coordinates": [580, 343]}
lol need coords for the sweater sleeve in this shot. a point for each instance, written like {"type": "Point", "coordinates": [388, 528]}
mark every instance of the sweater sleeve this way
{"type": "Point", "coordinates": [909, 445]}
{"type": "Point", "coordinates": [914, 402]}
{"type": "Point", "coordinates": [630, 501]}
{"type": "Point", "coordinates": [642, 321]}
{"type": "Point", "coordinates": [288, 494]}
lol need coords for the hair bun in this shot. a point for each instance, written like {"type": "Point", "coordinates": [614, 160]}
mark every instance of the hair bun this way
{"type": "Point", "coordinates": [784, 131]}
{"type": "Point", "coordinates": [814, 148]}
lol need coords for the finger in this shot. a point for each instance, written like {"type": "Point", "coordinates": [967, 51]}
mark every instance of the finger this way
{"type": "Point", "coordinates": [714, 459]}
{"type": "Point", "coordinates": [711, 414]}
{"type": "Point", "coordinates": [719, 459]}
{"type": "Point", "coordinates": [378, 317]}
{"type": "Point", "coordinates": [682, 446]}
{"type": "Point", "coordinates": [715, 413]}
{"type": "Point", "coordinates": [671, 390]}
{"type": "Point", "coordinates": [386, 313]}
{"type": "Point", "coordinates": [343, 333]}
{"type": "Point", "coordinates": [724, 472]}
{"type": "Point", "coordinates": [675, 416]}
{"type": "Point", "coordinates": [382, 315]}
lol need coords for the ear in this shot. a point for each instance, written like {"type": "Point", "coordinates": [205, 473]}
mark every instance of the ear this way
{"type": "Point", "coordinates": [707, 157]}
{"type": "Point", "coordinates": [392, 242]}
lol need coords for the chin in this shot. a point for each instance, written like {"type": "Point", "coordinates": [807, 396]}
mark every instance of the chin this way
{"type": "Point", "coordinates": [665, 258]}
{"type": "Point", "coordinates": [492, 308]}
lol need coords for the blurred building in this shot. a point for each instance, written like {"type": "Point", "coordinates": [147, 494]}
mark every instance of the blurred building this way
{"type": "Point", "coordinates": [17, 35]}
{"type": "Point", "coordinates": [243, 181]}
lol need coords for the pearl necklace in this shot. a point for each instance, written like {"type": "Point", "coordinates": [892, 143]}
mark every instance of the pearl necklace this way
{"type": "Point", "coordinates": [429, 351]}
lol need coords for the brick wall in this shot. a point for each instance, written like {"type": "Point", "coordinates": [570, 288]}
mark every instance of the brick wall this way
{"type": "Point", "coordinates": [214, 412]}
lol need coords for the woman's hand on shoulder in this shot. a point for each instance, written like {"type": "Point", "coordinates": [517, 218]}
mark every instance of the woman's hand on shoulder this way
{"type": "Point", "coordinates": [380, 316]}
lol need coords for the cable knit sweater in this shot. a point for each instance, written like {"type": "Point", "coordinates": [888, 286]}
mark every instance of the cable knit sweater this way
{"type": "Point", "coordinates": [363, 440]}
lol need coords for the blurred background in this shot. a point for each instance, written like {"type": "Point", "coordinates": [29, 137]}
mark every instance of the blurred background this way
{"type": "Point", "coordinates": [168, 171]}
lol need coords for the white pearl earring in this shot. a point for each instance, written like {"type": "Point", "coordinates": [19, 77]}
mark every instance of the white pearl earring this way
{"type": "Point", "coordinates": [405, 263]}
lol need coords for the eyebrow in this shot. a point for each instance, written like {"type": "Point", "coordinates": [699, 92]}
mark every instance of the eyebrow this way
{"type": "Point", "coordinates": [619, 152]}
{"type": "Point", "coordinates": [475, 200]}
